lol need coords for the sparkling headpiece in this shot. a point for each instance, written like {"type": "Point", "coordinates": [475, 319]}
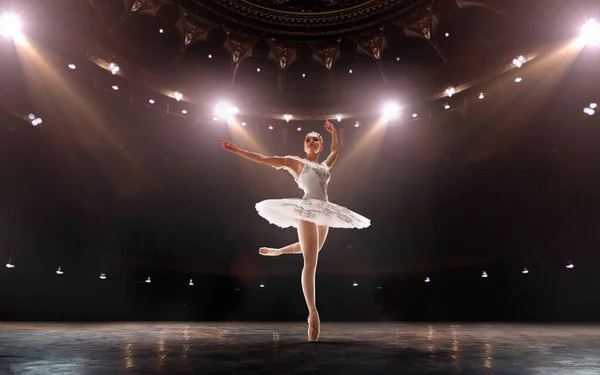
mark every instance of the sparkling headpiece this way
{"type": "Point", "coordinates": [316, 135]}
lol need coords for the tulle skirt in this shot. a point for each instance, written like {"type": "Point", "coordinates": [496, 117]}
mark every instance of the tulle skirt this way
{"type": "Point", "coordinates": [286, 212]}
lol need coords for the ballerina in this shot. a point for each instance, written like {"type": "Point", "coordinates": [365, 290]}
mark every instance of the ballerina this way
{"type": "Point", "coordinates": [312, 214]}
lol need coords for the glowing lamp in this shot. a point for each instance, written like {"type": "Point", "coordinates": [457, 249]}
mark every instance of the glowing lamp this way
{"type": "Point", "coordinates": [390, 111]}
{"type": "Point", "coordinates": [519, 61]}
{"type": "Point", "coordinates": [225, 110]}
{"type": "Point", "coordinates": [590, 33]}
{"type": "Point", "coordinates": [114, 68]}
{"type": "Point", "coordinates": [10, 26]}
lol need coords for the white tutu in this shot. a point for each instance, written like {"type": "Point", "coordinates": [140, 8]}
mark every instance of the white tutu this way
{"type": "Point", "coordinates": [286, 212]}
{"type": "Point", "coordinates": [314, 206]}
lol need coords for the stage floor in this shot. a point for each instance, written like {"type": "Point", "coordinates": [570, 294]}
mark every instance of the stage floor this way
{"type": "Point", "coordinates": [281, 348]}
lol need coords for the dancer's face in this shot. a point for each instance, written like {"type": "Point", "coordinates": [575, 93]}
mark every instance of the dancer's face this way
{"type": "Point", "coordinates": [312, 144]}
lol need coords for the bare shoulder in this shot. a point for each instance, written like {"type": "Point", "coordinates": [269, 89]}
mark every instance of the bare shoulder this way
{"type": "Point", "coordinates": [292, 163]}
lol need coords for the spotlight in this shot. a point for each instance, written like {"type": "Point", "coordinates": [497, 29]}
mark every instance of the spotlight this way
{"type": "Point", "coordinates": [262, 285]}
{"type": "Point", "coordinates": [481, 96]}
{"type": "Point", "coordinates": [518, 79]}
{"type": "Point", "coordinates": [114, 68]}
{"type": "Point", "coordinates": [484, 274]}
{"type": "Point", "coordinates": [287, 117]}
{"type": "Point", "coordinates": [303, 75]}
{"type": "Point", "coordinates": [518, 61]}
{"type": "Point", "coordinates": [589, 111]}
{"type": "Point", "coordinates": [10, 26]}
{"type": "Point", "coordinates": [414, 115]}
{"type": "Point", "coordinates": [390, 111]}
{"type": "Point", "coordinates": [225, 110]}
{"type": "Point", "coordinates": [115, 87]}
{"type": "Point", "coordinates": [350, 71]}
{"type": "Point", "coordinates": [357, 124]}
{"type": "Point", "coordinates": [215, 119]}
{"type": "Point", "coordinates": [525, 271]}
{"type": "Point", "coordinates": [148, 280]}
{"type": "Point", "coordinates": [59, 271]}
{"type": "Point", "coordinates": [447, 106]}
{"type": "Point", "coordinates": [270, 127]}
{"type": "Point", "coordinates": [210, 56]}
{"type": "Point", "coordinates": [570, 265]}
{"type": "Point", "coordinates": [72, 66]}
{"type": "Point", "coordinates": [243, 124]}
{"type": "Point", "coordinates": [338, 117]}
{"type": "Point", "coordinates": [161, 31]}
{"type": "Point", "coordinates": [31, 116]}
{"type": "Point", "coordinates": [177, 95]}
{"type": "Point", "coordinates": [184, 111]}
{"type": "Point", "coordinates": [397, 58]}
{"type": "Point", "coordinates": [447, 35]}
{"type": "Point", "coordinates": [102, 276]}
{"type": "Point", "coordinates": [191, 283]}
{"type": "Point", "coordinates": [258, 70]}
{"type": "Point", "coordinates": [593, 105]}
{"type": "Point", "coordinates": [590, 33]}
{"type": "Point", "coordinates": [299, 129]}
{"type": "Point", "coordinates": [450, 91]}
{"type": "Point", "coordinates": [151, 101]}
{"type": "Point", "coordinates": [355, 284]}
{"type": "Point", "coordinates": [427, 280]}
{"type": "Point", "coordinates": [9, 264]}
{"type": "Point", "coordinates": [36, 121]}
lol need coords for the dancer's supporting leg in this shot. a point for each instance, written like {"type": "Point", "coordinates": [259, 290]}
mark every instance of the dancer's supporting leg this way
{"type": "Point", "coordinates": [309, 243]}
{"type": "Point", "coordinates": [295, 247]}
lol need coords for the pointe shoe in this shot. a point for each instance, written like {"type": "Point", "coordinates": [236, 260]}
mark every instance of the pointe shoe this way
{"type": "Point", "coordinates": [266, 251]}
{"type": "Point", "coordinates": [314, 328]}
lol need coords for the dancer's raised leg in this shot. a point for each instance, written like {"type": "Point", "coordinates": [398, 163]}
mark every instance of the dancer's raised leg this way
{"type": "Point", "coordinates": [309, 243]}
{"type": "Point", "coordinates": [295, 247]}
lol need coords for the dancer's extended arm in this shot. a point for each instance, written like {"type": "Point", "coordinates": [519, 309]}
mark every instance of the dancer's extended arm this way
{"type": "Point", "coordinates": [334, 144]}
{"type": "Point", "coordinates": [273, 161]}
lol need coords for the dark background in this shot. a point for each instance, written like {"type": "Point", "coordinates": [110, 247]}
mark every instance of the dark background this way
{"type": "Point", "coordinates": [118, 187]}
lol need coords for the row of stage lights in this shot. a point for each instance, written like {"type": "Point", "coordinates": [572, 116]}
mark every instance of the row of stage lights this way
{"type": "Point", "coordinates": [390, 110]}
{"type": "Point", "coordinates": [103, 275]}
{"type": "Point", "coordinates": [10, 26]}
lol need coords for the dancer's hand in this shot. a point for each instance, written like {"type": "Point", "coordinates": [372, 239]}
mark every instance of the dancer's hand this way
{"type": "Point", "coordinates": [229, 146]}
{"type": "Point", "coordinates": [329, 126]}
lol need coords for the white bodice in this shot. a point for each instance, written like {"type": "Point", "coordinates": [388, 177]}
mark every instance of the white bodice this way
{"type": "Point", "coordinates": [313, 179]}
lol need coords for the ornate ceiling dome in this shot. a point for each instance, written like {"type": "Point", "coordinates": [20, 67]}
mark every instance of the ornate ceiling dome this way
{"type": "Point", "coordinates": [311, 19]}
{"type": "Point", "coordinates": [308, 6]}
{"type": "Point", "coordinates": [313, 56]}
